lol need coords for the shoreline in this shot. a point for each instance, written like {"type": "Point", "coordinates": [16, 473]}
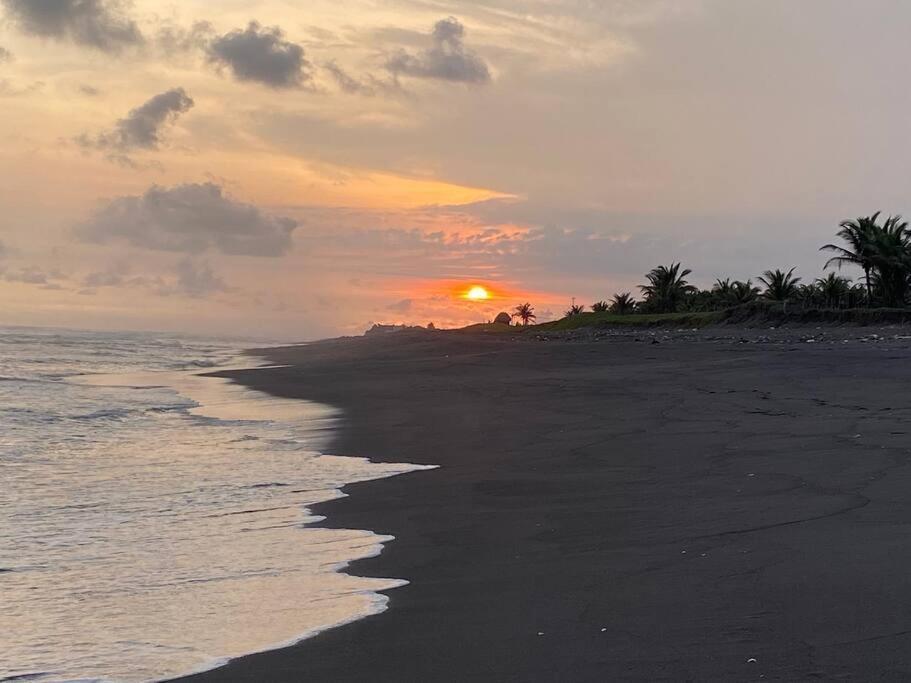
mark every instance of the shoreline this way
{"type": "Point", "coordinates": [309, 426]}
{"type": "Point", "coordinates": [612, 509]}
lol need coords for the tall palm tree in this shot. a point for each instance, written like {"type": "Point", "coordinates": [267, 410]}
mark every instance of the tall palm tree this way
{"type": "Point", "coordinates": [622, 303]}
{"type": "Point", "coordinates": [892, 260]}
{"type": "Point", "coordinates": [780, 286]}
{"type": "Point", "coordinates": [525, 312]}
{"type": "Point", "coordinates": [600, 307]}
{"type": "Point", "coordinates": [859, 236]}
{"type": "Point", "coordinates": [666, 288]}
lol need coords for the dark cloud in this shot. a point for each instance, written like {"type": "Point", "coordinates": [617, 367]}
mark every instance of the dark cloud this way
{"type": "Point", "coordinates": [101, 24]}
{"type": "Point", "coordinates": [89, 90]}
{"type": "Point", "coordinates": [261, 55]}
{"type": "Point", "coordinates": [141, 128]}
{"type": "Point", "coordinates": [190, 218]}
{"type": "Point", "coordinates": [447, 60]}
{"type": "Point", "coordinates": [5, 55]}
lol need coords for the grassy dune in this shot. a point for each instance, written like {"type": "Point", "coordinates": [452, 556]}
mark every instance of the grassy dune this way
{"type": "Point", "coordinates": [634, 319]}
{"type": "Point", "coordinates": [755, 314]}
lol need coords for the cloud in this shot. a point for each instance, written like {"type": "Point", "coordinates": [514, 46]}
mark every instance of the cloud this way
{"type": "Point", "coordinates": [190, 218]}
{"type": "Point", "coordinates": [345, 81]}
{"type": "Point", "coordinates": [194, 279]}
{"type": "Point", "coordinates": [173, 39]}
{"type": "Point", "coordinates": [261, 55]}
{"type": "Point", "coordinates": [114, 275]}
{"type": "Point", "coordinates": [447, 60]}
{"type": "Point", "coordinates": [5, 55]}
{"type": "Point", "coordinates": [89, 90]}
{"type": "Point", "coordinates": [368, 86]}
{"type": "Point", "coordinates": [188, 277]}
{"type": "Point", "coordinates": [31, 275]}
{"type": "Point", "coordinates": [100, 24]}
{"type": "Point", "coordinates": [141, 129]}
{"type": "Point", "coordinates": [10, 89]}
{"type": "Point", "coordinates": [402, 306]}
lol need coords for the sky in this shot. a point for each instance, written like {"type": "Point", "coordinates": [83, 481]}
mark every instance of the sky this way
{"type": "Point", "coordinates": [296, 170]}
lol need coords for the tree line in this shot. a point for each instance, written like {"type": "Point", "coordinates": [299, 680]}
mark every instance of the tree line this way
{"type": "Point", "coordinates": [882, 251]}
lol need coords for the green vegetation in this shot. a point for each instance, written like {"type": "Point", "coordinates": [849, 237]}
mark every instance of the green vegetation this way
{"type": "Point", "coordinates": [638, 319]}
{"type": "Point", "coordinates": [779, 285]}
{"type": "Point", "coordinates": [622, 303]}
{"type": "Point", "coordinates": [667, 289]}
{"type": "Point", "coordinates": [882, 251]}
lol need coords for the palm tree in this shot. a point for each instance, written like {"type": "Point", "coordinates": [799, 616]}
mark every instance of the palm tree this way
{"type": "Point", "coordinates": [881, 251]}
{"type": "Point", "coordinates": [810, 295]}
{"type": "Point", "coordinates": [833, 289]}
{"type": "Point", "coordinates": [728, 293]}
{"type": "Point", "coordinates": [524, 312]}
{"type": "Point", "coordinates": [780, 286]}
{"type": "Point", "coordinates": [858, 235]}
{"type": "Point", "coordinates": [575, 309]}
{"type": "Point", "coordinates": [622, 303]}
{"type": "Point", "coordinates": [743, 292]}
{"type": "Point", "coordinates": [600, 307]}
{"type": "Point", "coordinates": [722, 289]}
{"type": "Point", "coordinates": [666, 288]}
{"type": "Point", "coordinates": [892, 260]}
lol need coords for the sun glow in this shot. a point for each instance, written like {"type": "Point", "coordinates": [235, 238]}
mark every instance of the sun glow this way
{"type": "Point", "coordinates": [477, 293]}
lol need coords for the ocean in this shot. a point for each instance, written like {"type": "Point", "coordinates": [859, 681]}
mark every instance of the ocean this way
{"type": "Point", "coordinates": [154, 522]}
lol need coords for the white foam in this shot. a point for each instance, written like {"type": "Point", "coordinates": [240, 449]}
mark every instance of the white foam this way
{"type": "Point", "coordinates": [228, 501]}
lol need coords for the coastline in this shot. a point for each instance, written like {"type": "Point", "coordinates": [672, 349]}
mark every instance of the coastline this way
{"type": "Point", "coordinates": [703, 508]}
{"type": "Point", "coordinates": [306, 425]}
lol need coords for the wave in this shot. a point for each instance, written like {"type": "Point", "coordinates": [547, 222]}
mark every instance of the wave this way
{"type": "Point", "coordinates": [108, 414]}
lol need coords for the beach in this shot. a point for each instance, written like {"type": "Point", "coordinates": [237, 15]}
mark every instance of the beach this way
{"type": "Point", "coordinates": [730, 505]}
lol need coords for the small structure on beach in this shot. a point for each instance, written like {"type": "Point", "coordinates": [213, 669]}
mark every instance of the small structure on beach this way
{"type": "Point", "coordinates": [502, 319]}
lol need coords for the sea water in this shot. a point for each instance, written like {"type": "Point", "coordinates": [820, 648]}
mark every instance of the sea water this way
{"type": "Point", "coordinates": [154, 522]}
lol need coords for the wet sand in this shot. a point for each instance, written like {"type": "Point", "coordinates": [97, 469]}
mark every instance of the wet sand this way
{"type": "Point", "coordinates": [614, 509]}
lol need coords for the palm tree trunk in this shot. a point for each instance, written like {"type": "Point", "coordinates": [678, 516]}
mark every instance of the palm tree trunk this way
{"type": "Point", "coordinates": [869, 288]}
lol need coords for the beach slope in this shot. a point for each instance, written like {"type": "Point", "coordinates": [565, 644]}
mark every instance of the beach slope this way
{"type": "Point", "coordinates": [615, 510]}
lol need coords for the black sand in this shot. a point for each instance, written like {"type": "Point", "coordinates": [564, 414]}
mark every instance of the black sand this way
{"type": "Point", "coordinates": [617, 510]}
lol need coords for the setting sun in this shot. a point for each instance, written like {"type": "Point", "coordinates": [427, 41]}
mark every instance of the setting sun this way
{"type": "Point", "coordinates": [477, 293]}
